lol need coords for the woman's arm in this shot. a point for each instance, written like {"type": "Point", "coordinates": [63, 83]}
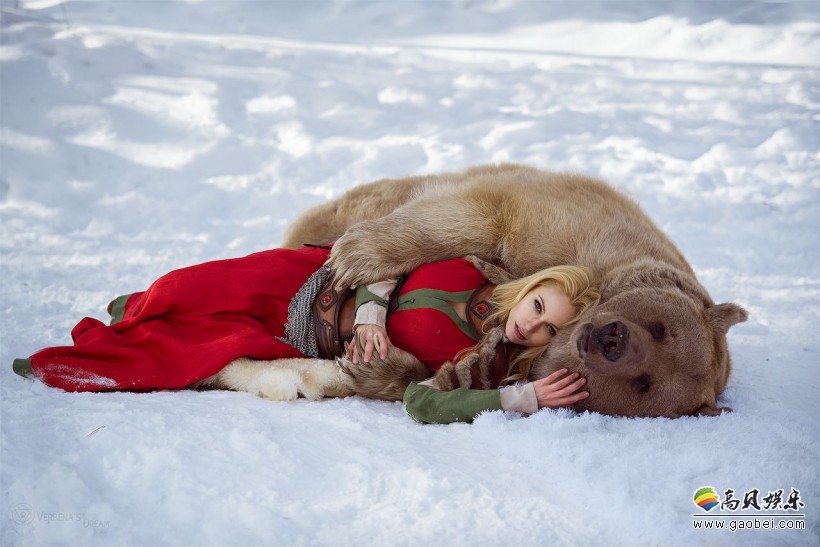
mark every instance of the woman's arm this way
{"type": "Point", "coordinates": [426, 404]}
{"type": "Point", "coordinates": [371, 317]}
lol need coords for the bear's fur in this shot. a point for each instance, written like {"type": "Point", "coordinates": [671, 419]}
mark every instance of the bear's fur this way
{"type": "Point", "coordinates": [655, 346]}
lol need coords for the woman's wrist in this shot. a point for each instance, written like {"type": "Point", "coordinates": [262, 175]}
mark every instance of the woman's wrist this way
{"type": "Point", "coordinates": [374, 311]}
{"type": "Point", "coordinates": [519, 399]}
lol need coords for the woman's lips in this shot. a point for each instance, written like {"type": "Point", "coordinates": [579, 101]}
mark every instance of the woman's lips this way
{"type": "Point", "coordinates": [518, 333]}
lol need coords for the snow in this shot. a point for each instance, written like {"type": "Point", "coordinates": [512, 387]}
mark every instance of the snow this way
{"type": "Point", "coordinates": [138, 137]}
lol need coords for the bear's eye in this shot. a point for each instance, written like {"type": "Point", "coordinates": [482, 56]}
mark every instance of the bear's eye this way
{"type": "Point", "coordinates": [658, 331]}
{"type": "Point", "coordinates": [642, 383]}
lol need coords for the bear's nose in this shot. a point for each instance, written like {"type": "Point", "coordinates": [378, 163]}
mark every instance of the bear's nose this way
{"type": "Point", "coordinates": [612, 340]}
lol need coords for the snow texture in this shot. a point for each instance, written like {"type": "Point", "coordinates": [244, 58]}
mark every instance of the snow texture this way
{"type": "Point", "coordinates": [141, 136]}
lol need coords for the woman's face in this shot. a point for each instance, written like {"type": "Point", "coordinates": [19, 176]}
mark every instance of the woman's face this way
{"type": "Point", "coordinates": [538, 316]}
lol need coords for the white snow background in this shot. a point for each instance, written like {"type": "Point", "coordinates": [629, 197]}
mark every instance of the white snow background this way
{"type": "Point", "coordinates": [140, 136]}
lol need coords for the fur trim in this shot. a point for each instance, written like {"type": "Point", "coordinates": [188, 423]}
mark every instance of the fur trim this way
{"type": "Point", "coordinates": [382, 379]}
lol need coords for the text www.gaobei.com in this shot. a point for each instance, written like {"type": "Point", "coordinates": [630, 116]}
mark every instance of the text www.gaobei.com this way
{"type": "Point", "coordinates": [754, 523]}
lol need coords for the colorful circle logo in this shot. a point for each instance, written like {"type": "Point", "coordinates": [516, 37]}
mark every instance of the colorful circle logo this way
{"type": "Point", "coordinates": [706, 498]}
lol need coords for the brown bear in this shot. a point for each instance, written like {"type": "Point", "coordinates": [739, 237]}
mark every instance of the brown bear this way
{"type": "Point", "coordinates": [655, 346]}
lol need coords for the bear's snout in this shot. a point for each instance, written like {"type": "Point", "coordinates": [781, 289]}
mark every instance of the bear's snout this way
{"type": "Point", "coordinates": [582, 342]}
{"type": "Point", "coordinates": [611, 340]}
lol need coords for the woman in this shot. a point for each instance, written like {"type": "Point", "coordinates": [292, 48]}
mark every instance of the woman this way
{"type": "Point", "coordinates": [522, 317]}
{"type": "Point", "coordinates": [270, 305]}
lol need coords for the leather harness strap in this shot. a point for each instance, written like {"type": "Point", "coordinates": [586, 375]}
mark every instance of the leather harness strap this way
{"type": "Point", "coordinates": [479, 308]}
{"type": "Point", "coordinates": [334, 315]}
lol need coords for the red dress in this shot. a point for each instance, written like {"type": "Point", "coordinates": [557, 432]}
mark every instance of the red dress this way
{"type": "Point", "coordinates": [192, 322]}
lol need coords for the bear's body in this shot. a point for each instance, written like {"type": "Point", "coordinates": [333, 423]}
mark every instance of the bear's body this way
{"type": "Point", "coordinates": [655, 346]}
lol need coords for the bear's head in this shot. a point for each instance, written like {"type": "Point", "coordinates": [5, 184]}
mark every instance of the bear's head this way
{"type": "Point", "coordinates": [655, 346]}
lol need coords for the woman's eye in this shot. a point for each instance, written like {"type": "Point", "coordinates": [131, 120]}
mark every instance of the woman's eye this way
{"type": "Point", "coordinates": [552, 330]}
{"type": "Point", "coordinates": [538, 306]}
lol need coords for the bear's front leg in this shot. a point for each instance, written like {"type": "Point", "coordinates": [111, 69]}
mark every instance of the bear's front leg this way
{"type": "Point", "coordinates": [426, 230]}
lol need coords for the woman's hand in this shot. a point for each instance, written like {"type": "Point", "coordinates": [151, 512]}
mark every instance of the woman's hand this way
{"type": "Point", "coordinates": [554, 391]}
{"type": "Point", "coordinates": [371, 337]}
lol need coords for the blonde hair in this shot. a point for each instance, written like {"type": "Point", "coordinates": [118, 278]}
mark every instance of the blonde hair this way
{"type": "Point", "coordinates": [574, 281]}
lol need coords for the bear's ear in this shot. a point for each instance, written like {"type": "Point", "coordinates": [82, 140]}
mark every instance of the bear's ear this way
{"type": "Point", "coordinates": [711, 410]}
{"type": "Point", "coordinates": [723, 316]}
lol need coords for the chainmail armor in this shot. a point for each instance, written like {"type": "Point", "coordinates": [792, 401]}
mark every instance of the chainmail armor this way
{"type": "Point", "coordinates": [299, 328]}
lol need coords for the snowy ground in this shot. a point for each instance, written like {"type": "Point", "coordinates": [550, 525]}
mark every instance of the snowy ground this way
{"type": "Point", "coordinates": [139, 136]}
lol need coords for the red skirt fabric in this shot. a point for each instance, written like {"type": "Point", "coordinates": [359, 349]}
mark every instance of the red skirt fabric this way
{"type": "Point", "coordinates": [192, 322]}
{"type": "Point", "coordinates": [187, 326]}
